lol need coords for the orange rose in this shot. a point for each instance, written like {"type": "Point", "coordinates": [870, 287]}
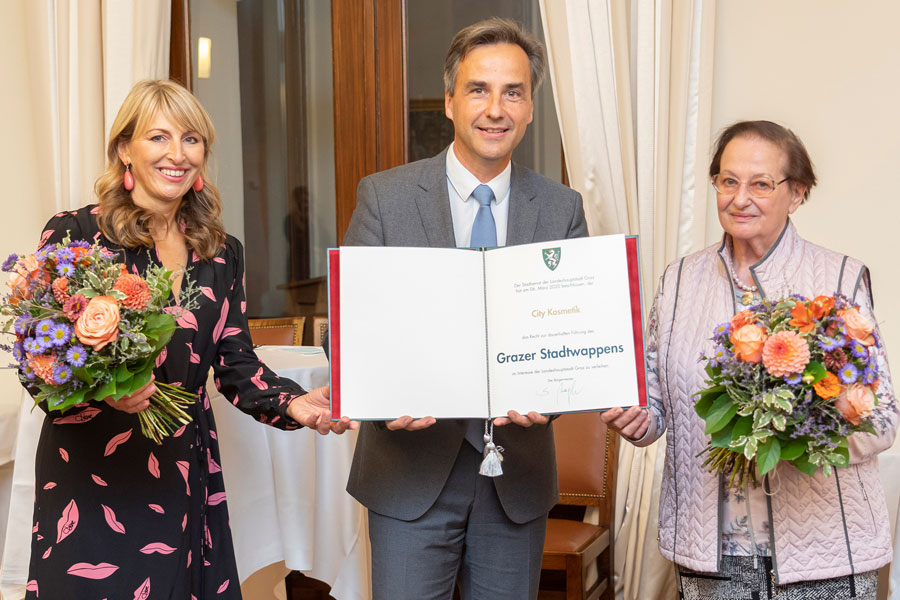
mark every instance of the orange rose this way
{"type": "Point", "coordinates": [858, 326]}
{"type": "Point", "coordinates": [748, 342]}
{"type": "Point", "coordinates": [829, 387]}
{"type": "Point", "coordinates": [745, 317]}
{"type": "Point", "coordinates": [98, 325]}
{"type": "Point", "coordinates": [856, 402]}
{"type": "Point", "coordinates": [821, 306]}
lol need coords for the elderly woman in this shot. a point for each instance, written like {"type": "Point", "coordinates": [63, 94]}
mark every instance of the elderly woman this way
{"type": "Point", "coordinates": [796, 536]}
{"type": "Point", "coordinates": [146, 517]}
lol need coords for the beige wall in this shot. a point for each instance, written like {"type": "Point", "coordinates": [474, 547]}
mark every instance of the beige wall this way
{"type": "Point", "coordinates": [828, 69]}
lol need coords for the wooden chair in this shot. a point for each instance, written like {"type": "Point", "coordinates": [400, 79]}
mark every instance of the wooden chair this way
{"type": "Point", "coordinates": [586, 453]}
{"type": "Point", "coordinates": [287, 331]}
{"type": "Point", "coordinates": [319, 327]}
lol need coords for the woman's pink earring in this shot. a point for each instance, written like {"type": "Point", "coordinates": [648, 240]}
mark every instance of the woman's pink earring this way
{"type": "Point", "coordinates": [128, 178]}
{"type": "Point", "coordinates": [198, 184]}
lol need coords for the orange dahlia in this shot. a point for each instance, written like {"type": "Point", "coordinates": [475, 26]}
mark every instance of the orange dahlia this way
{"type": "Point", "coordinates": [785, 353]}
{"type": "Point", "coordinates": [61, 289]}
{"type": "Point", "coordinates": [42, 365]}
{"type": "Point", "coordinates": [828, 387]}
{"type": "Point", "coordinates": [137, 293]}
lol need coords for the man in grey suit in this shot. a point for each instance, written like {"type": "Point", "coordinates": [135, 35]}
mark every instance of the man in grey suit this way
{"type": "Point", "coordinates": [433, 519]}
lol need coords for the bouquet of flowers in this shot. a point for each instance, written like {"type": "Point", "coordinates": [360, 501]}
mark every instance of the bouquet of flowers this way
{"type": "Point", "coordinates": [789, 379]}
{"type": "Point", "coordinates": [86, 329]}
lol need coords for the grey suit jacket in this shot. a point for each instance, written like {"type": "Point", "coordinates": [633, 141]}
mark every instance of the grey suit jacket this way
{"type": "Point", "coordinates": [400, 473]}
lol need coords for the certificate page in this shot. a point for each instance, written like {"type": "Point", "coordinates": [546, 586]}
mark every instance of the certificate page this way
{"type": "Point", "coordinates": [561, 335]}
{"type": "Point", "coordinates": [412, 333]}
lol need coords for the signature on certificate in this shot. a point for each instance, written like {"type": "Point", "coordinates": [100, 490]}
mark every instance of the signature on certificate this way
{"type": "Point", "coordinates": [562, 391]}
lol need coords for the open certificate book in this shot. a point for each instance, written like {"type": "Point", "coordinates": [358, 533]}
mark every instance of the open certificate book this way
{"type": "Point", "coordinates": [551, 327]}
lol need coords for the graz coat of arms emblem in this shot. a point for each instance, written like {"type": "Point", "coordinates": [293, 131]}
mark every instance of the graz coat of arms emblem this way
{"type": "Point", "coordinates": [551, 257]}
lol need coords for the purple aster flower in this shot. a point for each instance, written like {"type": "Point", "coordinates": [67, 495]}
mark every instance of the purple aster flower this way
{"type": "Point", "coordinates": [869, 375]}
{"type": "Point", "coordinates": [65, 269]}
{"type": "Point", "coordinates": [10, 262]}
{"type": "Point", "coordinates": [62, 374]}
{"type": "Point", "coordinates": [848, 374]}
{"type": "Point", "coordinates": [65, 255]}
{"type": "Point", "coordinates": [858, 350]}
{"type": "Point", "coordinates": [32, 347]}
{"type": "Point", "coordinates": [79, 244]}
{"type": "Point", "coordinates": [722, 330]}
{"type": "Point", "coordinates": [793, 379]}
{"type": "Point", "coordinates": [44, 326]}
{"type": "Point", "coordinates": [720, 355]}
{"type": "Point", "coordinates": [21, 324]}
{"type": "Point", "coordinates": [44, 340]}
{"type": "Point", "coordinates": [18, 351]}
{"type": "Point", "coordinates": [828, 344]}
{"type": "Point", "coordinates": [76, 356]}
{"type": "Point", "coordinates": [61, 334]}
{"type": "Point", "coordinates": [27, 371]}
{"type": "Point", "coordinates": [841, 340]}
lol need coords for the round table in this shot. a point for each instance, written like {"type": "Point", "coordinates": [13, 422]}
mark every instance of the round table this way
{"type": "Point", "coordinates": [286, 491]}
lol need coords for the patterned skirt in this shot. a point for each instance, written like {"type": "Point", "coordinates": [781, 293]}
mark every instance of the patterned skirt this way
{"type": "Point", "coordinates": [740, 580]}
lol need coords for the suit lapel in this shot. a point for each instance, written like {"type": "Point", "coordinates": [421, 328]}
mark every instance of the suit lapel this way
{"type": "Point", "coordinates": [523, 209]}
{"type": "Point", "coordinates": [433, 202]}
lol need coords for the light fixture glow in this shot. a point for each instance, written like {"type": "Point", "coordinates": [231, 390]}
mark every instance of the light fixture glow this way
{"type": "Point", "coordinates": [204, 57]}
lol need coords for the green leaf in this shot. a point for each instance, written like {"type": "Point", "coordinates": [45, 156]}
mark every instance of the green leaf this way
{"type": "Point", "coordinates": [785, 394]}
{"type": "Point", "coordinates": [83, 374]}
{"type": "Point", "coordinates": [107, 389]}
{"type": "Point", "coordinates": [713, 371]}
{"type": "Point", "coordinates": [706, 399]}
{"type": "Point", "coordinates": [768, 455]}
{"type": "Point", "coordinates": [750, 448]}
{"type": "Point", "coordinates": [122, 373]}
{"type": "Point", "coordinates": [93, 280]}
{"type": "Point", "coordinates": [816, 370]}
{"type": "Point", "coordinates": [793, 449]}
{"type": "Point", "coordinates": [723, 409]}
{"type": "Point", "coordinates": [722, 438]}
{"type": "Point", "coordinates": [778, 421]}
{"type": "Point", "coordinates": [742, 426]}
{"type": "Point", "coordinates": [840, 457]}
{"type": "Point", "coordinates": [802, 463]}
{"type": "Point", "coordinates": [125, 387]}
{"type": "Point", "coordinates": [142, 377]}
{"type": "Point", "coordinates": [784, 404]}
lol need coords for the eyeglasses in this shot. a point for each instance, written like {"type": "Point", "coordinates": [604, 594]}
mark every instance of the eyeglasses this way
{"type": "Point", "coordinates": [758, 187]}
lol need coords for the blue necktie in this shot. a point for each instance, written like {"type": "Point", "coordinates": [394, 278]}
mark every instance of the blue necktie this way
{"type": "Point", "coordinates": [484, 230]}
{"type": "Point", "coordinates": [484, 235]}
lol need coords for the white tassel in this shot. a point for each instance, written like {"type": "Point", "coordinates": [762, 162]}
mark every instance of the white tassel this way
{"type": "Point", "coordinates": [490, 466]}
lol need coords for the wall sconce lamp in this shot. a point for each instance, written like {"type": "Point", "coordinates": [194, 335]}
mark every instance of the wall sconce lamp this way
{"type": "Point", "coordinates": [204, 56]}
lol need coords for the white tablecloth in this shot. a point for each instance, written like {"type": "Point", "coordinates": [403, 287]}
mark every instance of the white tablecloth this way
{"type": "Point", "coordinates": [286, 496]}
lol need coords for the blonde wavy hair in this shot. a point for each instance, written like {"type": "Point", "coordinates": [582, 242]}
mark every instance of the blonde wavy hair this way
{"type": "Point", "coordinates": [120, 219]}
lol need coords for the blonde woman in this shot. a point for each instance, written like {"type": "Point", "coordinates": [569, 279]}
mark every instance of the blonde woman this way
{"type": "Point", "coordinates": [145, 516]}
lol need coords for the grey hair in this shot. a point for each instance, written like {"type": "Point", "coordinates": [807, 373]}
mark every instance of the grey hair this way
{"type": "Point", "coordinates": [495, 31]}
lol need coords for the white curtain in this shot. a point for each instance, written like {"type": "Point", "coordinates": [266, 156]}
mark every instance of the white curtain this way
{"type": "Point", "coordinates": [632, 82]}
{"type": "Point", "coordinates": [75, 62]}
{"type": "Point", "coordinates": [83, 58]}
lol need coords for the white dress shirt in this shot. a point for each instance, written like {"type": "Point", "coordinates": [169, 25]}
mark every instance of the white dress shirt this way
{"type": "Point", "coordinates": [463, 206]}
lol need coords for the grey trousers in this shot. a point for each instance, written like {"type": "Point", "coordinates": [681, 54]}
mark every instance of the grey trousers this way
{"type": "Point", "coordinates": [465, 536]}
{"type": "Point", "coordinates": [739, 580]}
